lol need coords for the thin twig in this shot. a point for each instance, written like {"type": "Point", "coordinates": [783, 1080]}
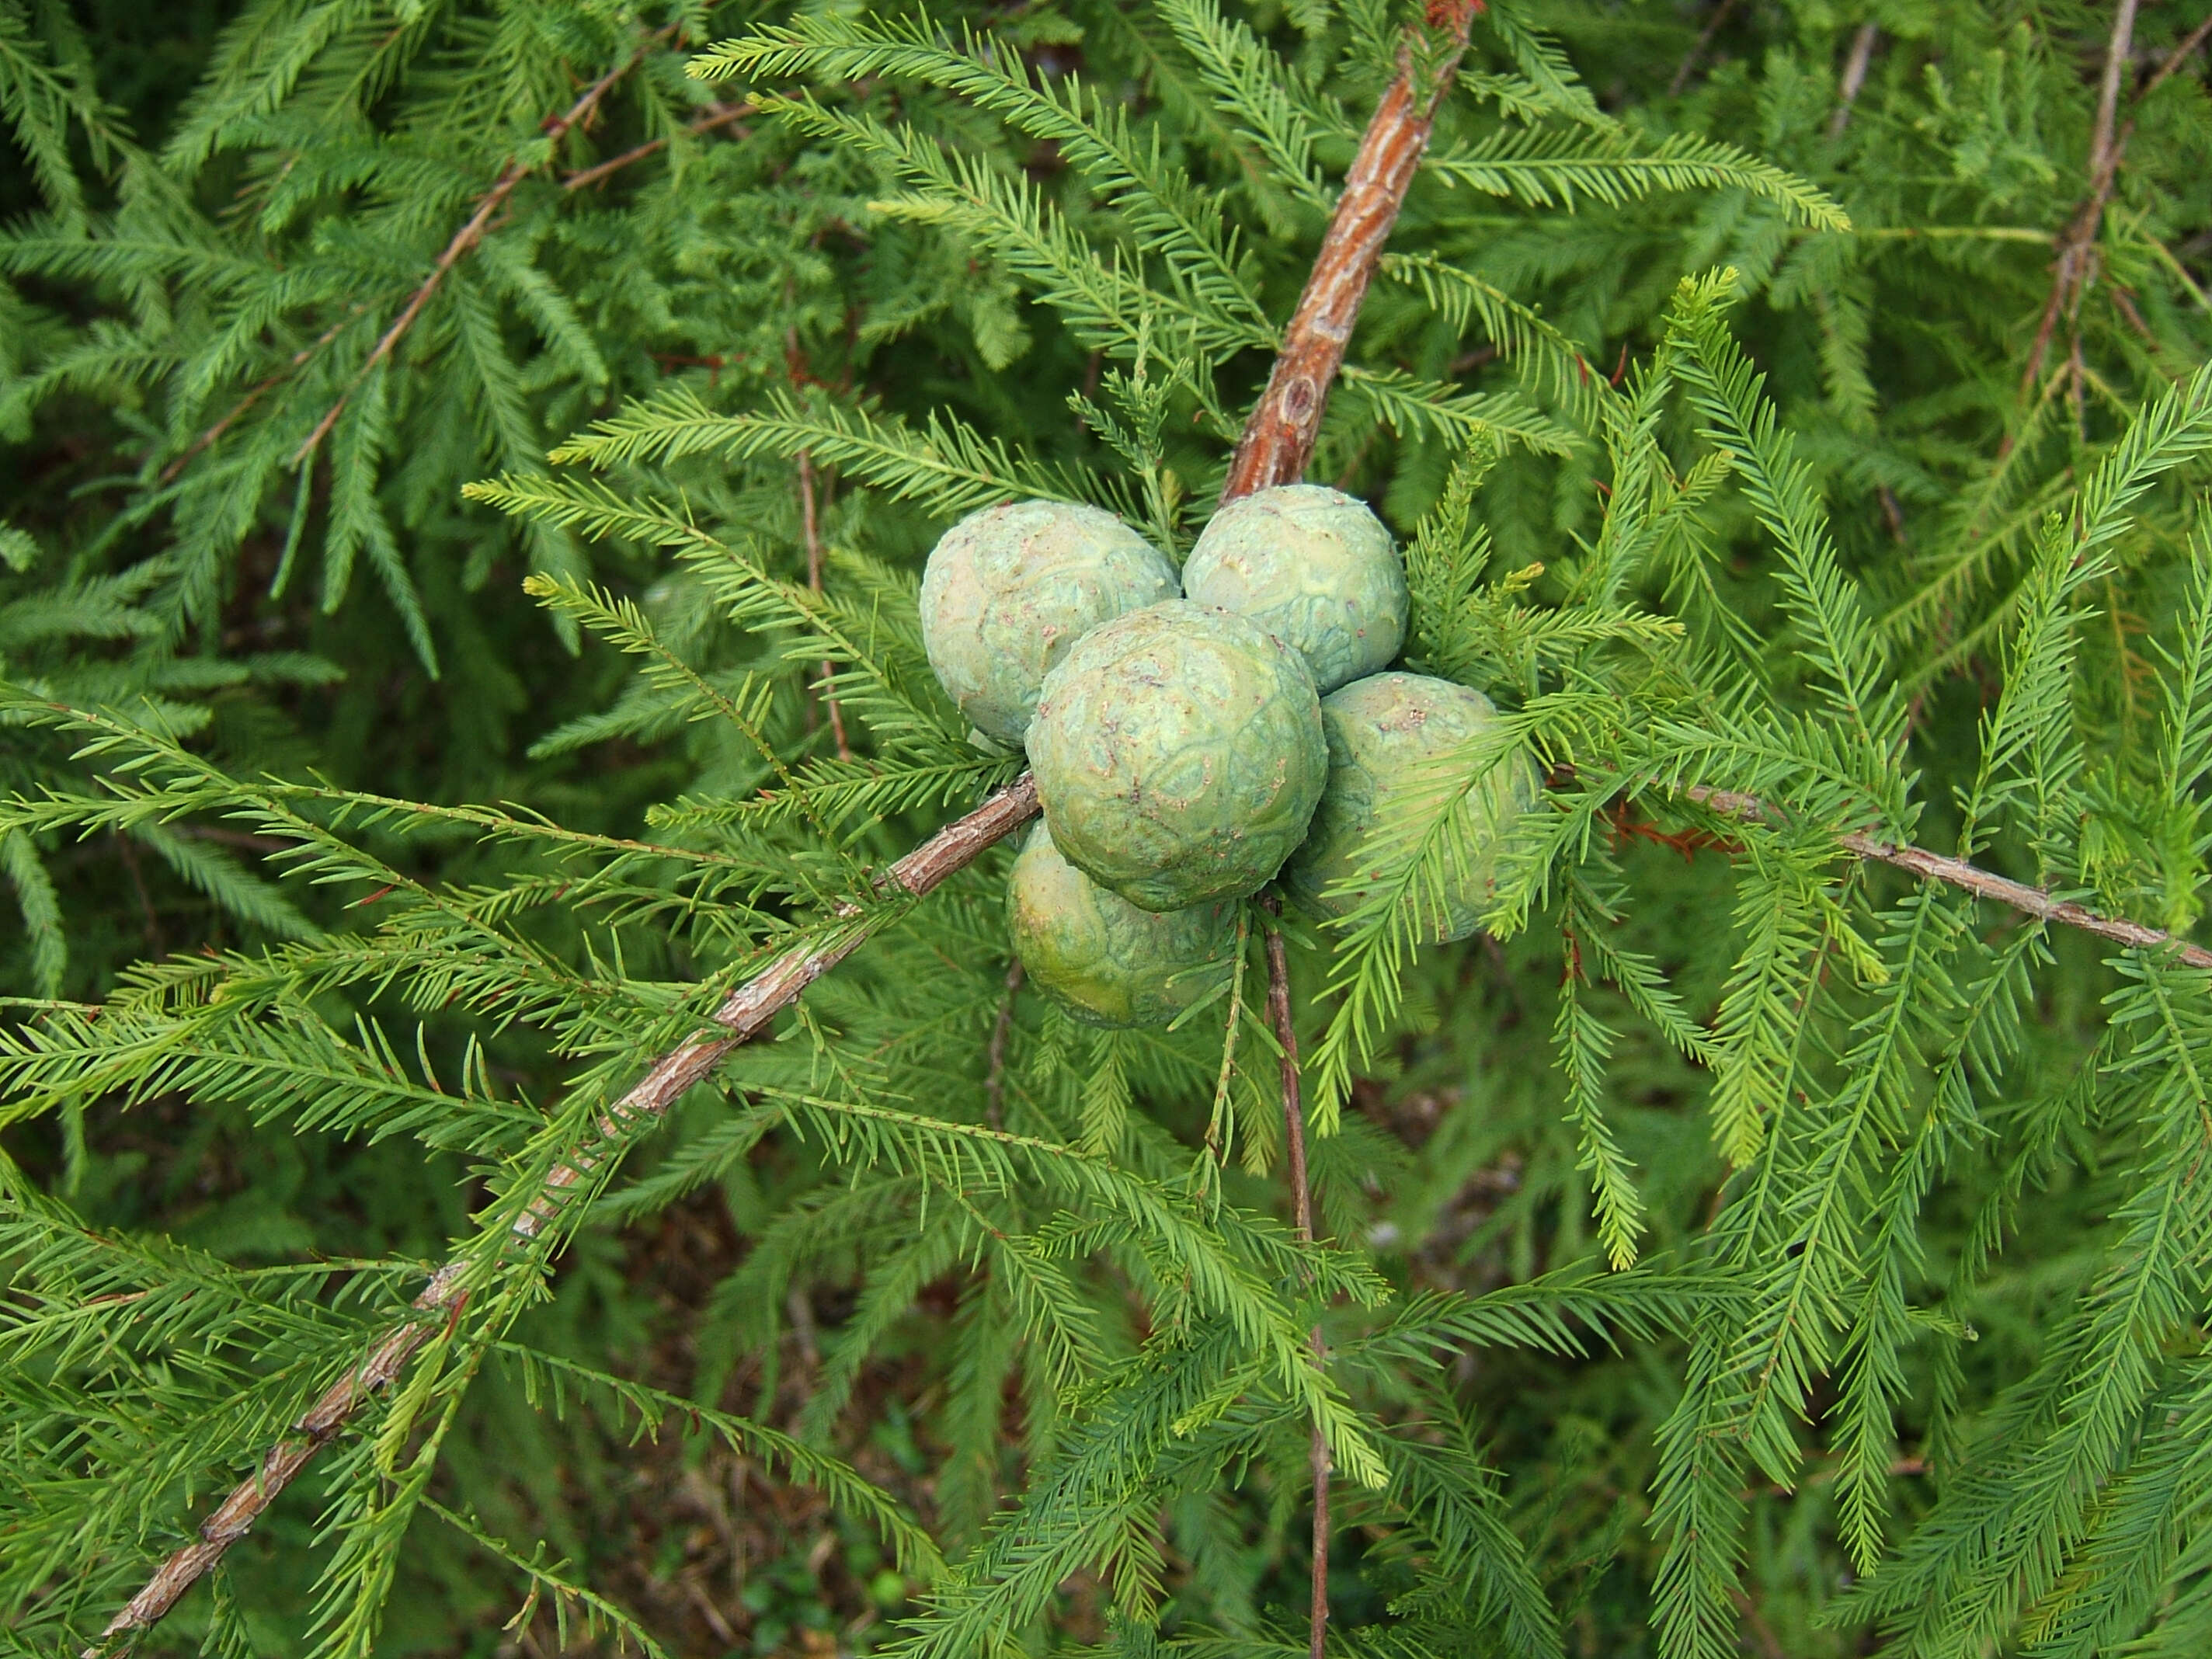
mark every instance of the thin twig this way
{"type": "Point", "coordinates": [744, 1014]}
{"type": "Point", "coordinates": [720, 115]}
{"type": "Point", "coordinates": [472, 233]}
{"type": "Point", "coordinates": [2029, 901]}
{"type": "Point", "coordinates": [1689, 65]}
{"type": "Point", "coordinates": [1855, 75]}
{"type": "Point", "coordinates": [2077, 244]}
{"type": "Point", "coordinates": [261, 390]}
{"type": "Point", "coordinates": [2117, 53]}
{"type": "Point", "coordinates": [2175, 58]}
{"type": "Point", "coordinates": [1276, 443]}
{"type": "Point", "coordinates": [994, 1056]}
{"type": "Point", "coordinates": [813, 532]}
{"type": "Point", "coordinates": [1892, 513]}
{"type": "Point", "coordinates": [1218, 1136]}
{"type": "Point", "coordinates": [1286, 1038]}
{"type": "Point", "coordinates": [1274, 448]}
{"type": "Point", "coordinates": [1294, 1141]}
{"type": "Point", "coordinates": [798, 1308]}
{"type": "Point", "coordinates": [1970, 878]}
{"type": "Point", "coordinates": [750, 1009]}
{"type": "Point", "coordinates": [1371, 197]}
{"type": "Point", "coordinates": [1770, 1645]}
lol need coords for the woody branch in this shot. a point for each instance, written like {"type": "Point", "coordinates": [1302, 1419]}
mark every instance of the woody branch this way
{"type": "Point", "coordinates": [2075, 266]}
{"type": "Point", "coordinates": [1317, 337]}
{"type": "Point", "coordinates": [471, 232]}
{"type": "Point", "coordinates": [1279, 453]}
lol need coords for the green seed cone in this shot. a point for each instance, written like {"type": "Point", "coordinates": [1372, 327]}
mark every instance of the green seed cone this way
{"type": "Point", "coordinates": [1008, 590]}
{"type": "Point", "coordinates": [1107, 961]}
{"type": "Point", "coordinates": [1313, 566]}
{"type": "Point", "coordinates": [1385, 733]}
{"type": "Point", "coordinates": [1178, 755]}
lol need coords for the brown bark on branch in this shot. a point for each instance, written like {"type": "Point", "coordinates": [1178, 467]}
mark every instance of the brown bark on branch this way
{"type": "Point", "coordinates": [2029, 901]}
{"type": "Point", "coordinates": [1277, 445]}
{"type": "Point", "coordinates": [719, 115]}
{"type": "Point", "coordinates": [1315, 339]}
{"type": "Point", "coordinates": [1294, 1143]}
{"type": "Point", "coordinates": [472, 231]}
{"type": "Point", "coordinates": [2075, 267]}
{"type": "Point", "coordinates": [2077, 244]}
{"type": "Point", "coordinates": [1972, 879]}
{"type": "Point", "coordinates": [1696, 55]}
{"type": "Point", "coordinates": [1279, 438]}
{"type": "Point", "coordinates": [1286, 1040]}
{"type": "Point", "coordinates": [744, 1014]}
{"type": "Point", "coordinates": [558, 126]}
{"type": "Point", "coordinates": [1855, 75]}
{"type": "Point", "coordinates": [253, 396]}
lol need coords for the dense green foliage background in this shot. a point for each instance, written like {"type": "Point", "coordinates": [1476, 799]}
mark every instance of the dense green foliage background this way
{"type": "Point", "coordinates": [232, 516]}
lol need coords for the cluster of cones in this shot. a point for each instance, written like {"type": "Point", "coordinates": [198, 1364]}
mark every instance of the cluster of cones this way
{"type": "Point", "coordinates": [1193, 736]}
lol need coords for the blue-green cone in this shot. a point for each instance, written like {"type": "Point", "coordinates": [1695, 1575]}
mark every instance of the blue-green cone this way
{"type": "Point", "coordinates": [1008, 590]}
{"type": "Point", "coordinates": [1109, 963]}
{"type": "Point", "coordinates": [1178, 755]}
{"type": "Point", "coordinates": [1313, 566]}
{"type": "Point", "coordinates": [1383, 733]}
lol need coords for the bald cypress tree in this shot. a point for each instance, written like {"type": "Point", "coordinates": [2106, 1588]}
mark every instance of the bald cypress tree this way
{"type": "Point", "coordinates": [520, 1124]}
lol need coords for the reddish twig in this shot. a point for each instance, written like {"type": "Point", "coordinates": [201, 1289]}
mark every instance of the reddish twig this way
{"type": "Point", "coordinates": [1626, 826]}
{"type": "Point", "coordinates": [994, 1054]}
{"type": "Point", "coordinates": [472, 233]}
{"type": "Point", "coordinates": [1696, 53]}
{"type": "Point", "coordinates": [1276, 443]}
{"type": "Point", "coordinates": [1279, 455]}
{"type": "Point", "coordinates": [1294, 1143]}
{"type": "Point", "coordinates": [720, 116]}
{"type": "Point", "coordinates": [1855, 75]}
{"type": "Point", "coordinates": [2077, 242]}
{"type": "Point", "coordinates": [1371, 197]}
{"type": "Point", "coordinates": [1286, 1038]}
{"type": "Point", "coordinates": [1279, 439]}
{"type": "Point", "coordinates": [1973, 879]}
{"type": "Point", "coordinates": [260, 390]}
{"type": "Point", "coordinates": [2175, 58]}
{"type": "Point", "coordinates": [2077, 261]}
